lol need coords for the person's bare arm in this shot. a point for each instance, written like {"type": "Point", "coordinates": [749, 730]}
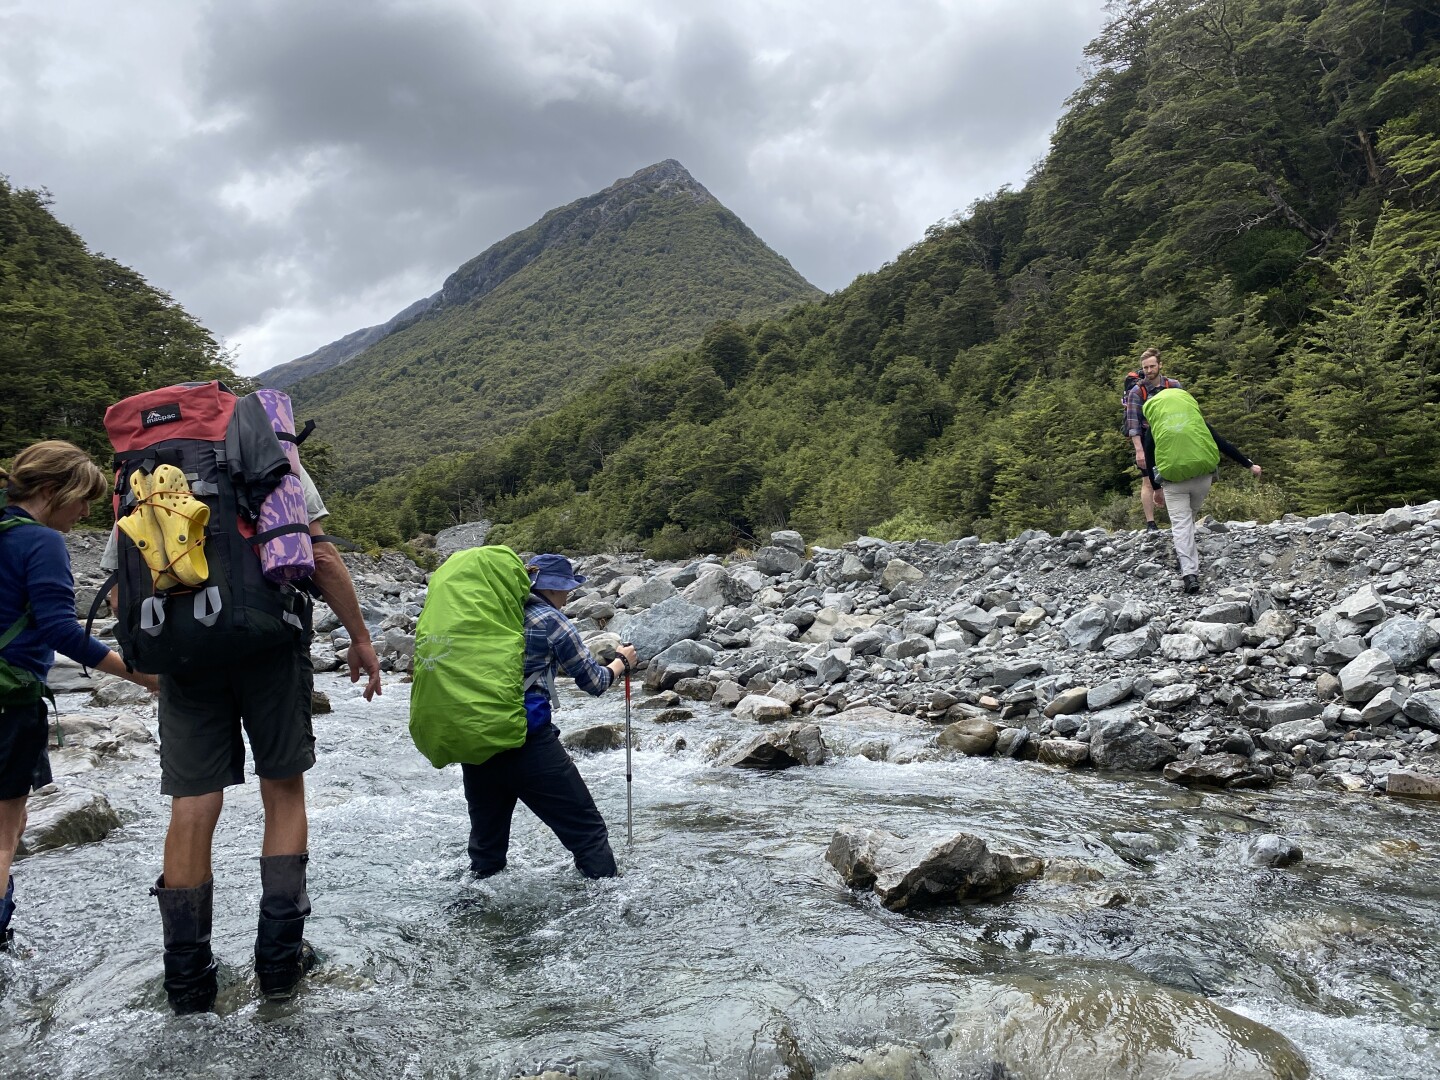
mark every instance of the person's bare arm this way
{"type": "Point", "coordinates": [114, 664]}
{"type": "Point", "coordinates": [332, 578]}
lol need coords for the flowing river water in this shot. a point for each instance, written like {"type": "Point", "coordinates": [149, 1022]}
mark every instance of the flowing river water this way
{"type": "Point", "coordinates": [729, 948]}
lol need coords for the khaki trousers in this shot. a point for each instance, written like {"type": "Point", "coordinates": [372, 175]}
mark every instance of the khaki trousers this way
{"type": "Point", "coordinates": [1183, 500]}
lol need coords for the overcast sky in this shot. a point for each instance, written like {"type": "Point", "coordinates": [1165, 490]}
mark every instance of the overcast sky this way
{"type": "Point", "coordinates": [292, 170]}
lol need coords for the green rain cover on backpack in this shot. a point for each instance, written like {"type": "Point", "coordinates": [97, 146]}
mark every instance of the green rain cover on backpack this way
{"type": "Point", "coordinates": [467, 701]}
{"type": "Point", "coordinates": [1184, 447]}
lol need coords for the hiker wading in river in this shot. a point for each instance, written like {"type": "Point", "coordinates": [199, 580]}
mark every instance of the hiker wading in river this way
{"type": "Point", "coordinates": [539, 773]}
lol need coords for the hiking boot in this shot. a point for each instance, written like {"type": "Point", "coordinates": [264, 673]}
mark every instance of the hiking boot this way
{"type": "Point", "coordinates": [7, 909]}
{"type": "Point", "coordinates": [1192, 583]}
{"type": "Point", "coordinates": [189, 965]}
{"type": "Point", "coordinates": [1150, 526]}
{"type": "Point", "coordinates": [282, 955]}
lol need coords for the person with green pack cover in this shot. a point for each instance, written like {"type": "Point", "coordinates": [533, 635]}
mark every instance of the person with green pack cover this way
{"type": "Point", "coordinates": [48, 488]}
{"type": "Point", "coordinates": [1187, 459]}
{"type": "Point", "coordinates": [488, 646]}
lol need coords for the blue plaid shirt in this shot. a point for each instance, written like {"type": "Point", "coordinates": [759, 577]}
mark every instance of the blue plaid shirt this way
{"type": "Point", "coordinates": [1135, 403]}
{"type": "Point", "coordinates": [552, 641]}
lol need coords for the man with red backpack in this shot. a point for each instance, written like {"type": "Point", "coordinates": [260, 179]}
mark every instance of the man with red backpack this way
{"type": "Point", "coordinates": [1138, 388]}
{"type": "Point", "coordinates": [217, 549]}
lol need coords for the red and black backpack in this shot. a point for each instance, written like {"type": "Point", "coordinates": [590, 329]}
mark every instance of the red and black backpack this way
{"type": "Point", "coordinates": [235, 611]}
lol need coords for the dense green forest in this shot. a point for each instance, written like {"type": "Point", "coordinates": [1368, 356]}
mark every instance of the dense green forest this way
{"type": "Point", "coordinates": [624, 274]}
{"type": "Point", "coordinates": [1251, 186]}
{"type": "Point", "coordinates": [79, 331]}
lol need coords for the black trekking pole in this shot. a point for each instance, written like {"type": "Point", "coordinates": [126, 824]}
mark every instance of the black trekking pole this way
{"type": "Point", "coordinates": [629, 777]}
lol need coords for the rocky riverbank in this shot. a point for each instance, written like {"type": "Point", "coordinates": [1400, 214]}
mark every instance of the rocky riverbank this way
{"type": "Point", "coordinates": [1311, 656]}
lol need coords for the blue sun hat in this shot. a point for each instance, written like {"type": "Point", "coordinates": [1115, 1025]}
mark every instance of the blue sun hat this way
{"type": "Point", "coordinates": [553, 572]}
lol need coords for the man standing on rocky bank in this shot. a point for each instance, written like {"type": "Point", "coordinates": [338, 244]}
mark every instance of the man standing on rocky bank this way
{"type": "Point", "coordinates": [1138, 429]}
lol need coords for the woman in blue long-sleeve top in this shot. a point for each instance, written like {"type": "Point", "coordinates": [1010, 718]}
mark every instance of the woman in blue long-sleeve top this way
{"type": "Point", "coordinates": [48, 488]}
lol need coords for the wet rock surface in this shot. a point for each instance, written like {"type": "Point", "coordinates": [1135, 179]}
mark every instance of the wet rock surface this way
{"type": "Point", "coordinates": [925, 871]}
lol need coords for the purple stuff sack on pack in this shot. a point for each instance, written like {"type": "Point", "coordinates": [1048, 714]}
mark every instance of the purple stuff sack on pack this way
{"type": "Point", "coordinates": [288, 556]}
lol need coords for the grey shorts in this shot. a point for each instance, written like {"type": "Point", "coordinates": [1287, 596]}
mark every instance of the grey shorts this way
{"type": "Point", "coordinates": [202, 714]}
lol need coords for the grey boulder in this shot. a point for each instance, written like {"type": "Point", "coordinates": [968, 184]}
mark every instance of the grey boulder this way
{"type": "Point", "coordinates": [783, 748]}
{"type": "Point", "coordinates": [1127, 744]}
{"type": "Point", "coordinates": [58, 817]}
{"type": "Point", "coordinates": [1408, 642]}
{"type": "Point", "coordinates": [669, 621]}
{"type": "Point", "coordinates": [925, 871]}
{"type": "Point", "coordinates": [1365, 676]}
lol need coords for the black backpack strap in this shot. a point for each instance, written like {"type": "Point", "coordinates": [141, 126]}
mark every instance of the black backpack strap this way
{"type": "Point", "coordinates": [338, 541]}
{"type": "Point", "coordinates": [280, 530]}
{"type": "Point", "coordinates": [100, 595]}
{"type": "Point", "coordinates": [300, 436]}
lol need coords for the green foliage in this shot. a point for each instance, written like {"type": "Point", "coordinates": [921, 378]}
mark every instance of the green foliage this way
{"type": "Point", "coordinates": [79, 332]}
{"type": "Point", "coordinates": [1363, 404]}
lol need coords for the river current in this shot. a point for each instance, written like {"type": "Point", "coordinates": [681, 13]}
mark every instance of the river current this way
{"type": "Point", "coordinates": [728, 947]}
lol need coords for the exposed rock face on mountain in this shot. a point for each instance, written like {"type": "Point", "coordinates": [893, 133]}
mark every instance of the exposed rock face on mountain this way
{"type": "Point", "coordinates": [625, 274]}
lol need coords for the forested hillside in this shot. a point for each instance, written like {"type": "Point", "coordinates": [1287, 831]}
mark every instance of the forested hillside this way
{"type": "Point", "coordinates": [79, 331]}
{"type": "Point", "coordinates": [643, 266]}
{"type": "Point", "coordinates": [1251, 186]}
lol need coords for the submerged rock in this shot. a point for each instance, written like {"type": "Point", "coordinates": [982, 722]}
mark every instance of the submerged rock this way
{"type": "Point", "coordinates": [1104, 1025]}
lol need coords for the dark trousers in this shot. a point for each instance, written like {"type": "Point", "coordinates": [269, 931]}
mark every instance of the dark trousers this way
{"type": "Point", "coordinates": [541, 775]}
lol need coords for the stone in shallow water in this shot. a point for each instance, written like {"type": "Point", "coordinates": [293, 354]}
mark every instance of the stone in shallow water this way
{"type": "Point", "coordinates": [1220, 770]}
{"type": "Point", "coordinates": [782, 748]}
{"type": "Point", "coordinates": [1089, 1023]}
{"type": "Point", "coordinates": [1272, 849]}
{"type": "Point", "coordinates": [1127, 744]}
{"type": "Point", "coordinates": [1066, 752]}
{"type": "Point", "coordinates": [762, 709]}
{"type": "Point", "coordinates": [61, 816]}
{"type": "Point", "coordinates": [970, 735]}
{"type": "Point", "coordinates": [925, 871]}
{"type": "Point", "coordinates": [595, 737]}
{"type": "Point", "coordinates": [1412, 784]}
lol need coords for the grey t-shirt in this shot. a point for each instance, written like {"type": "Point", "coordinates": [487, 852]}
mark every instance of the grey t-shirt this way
{"type": "Point", "coordinates": [314, 506]}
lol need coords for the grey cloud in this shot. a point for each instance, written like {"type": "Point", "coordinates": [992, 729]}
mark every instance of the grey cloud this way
{"type": "Point", "coordinates": [388, 143]}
